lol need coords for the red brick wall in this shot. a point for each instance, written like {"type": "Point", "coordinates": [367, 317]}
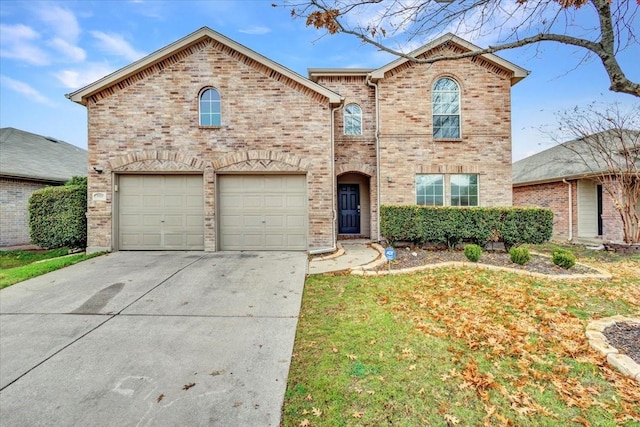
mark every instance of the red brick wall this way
{"type": "Point", "coordinates": [406, 133]}
{"type": "Point", "coordinates": [14, 210]}
{"type": "Point", "coordinates": [555, 196]}
{"type": "Point", "coordinates": [151, 124]}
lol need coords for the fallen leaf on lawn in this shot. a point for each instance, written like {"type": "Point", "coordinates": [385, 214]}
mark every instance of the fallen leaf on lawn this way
{"type": "Point", "coordinates": [308, 397]}
{"type": "Point", "coordinates": [371, 392]}
{"type": "Point", "coordinates": [358, 414]}
{"type": "Point", "coordinates": [317, 412]}
{"type": "Point", "coordinates": [421, 391]}
{"type": "Point", "coordinates": [188, 386]}
{"type": "Point", "coordinates": [305, 423]}
{"type": "Point", "coordinates": [352, 356]}
{"type": "Point", "coordinates": [451, 420]}
{"type": "Point", "coordinates": [582, 421]}
{"type": "Point", "coordinates": [335, 350]}
{"type": "Point", "coordinates": [412, 367]}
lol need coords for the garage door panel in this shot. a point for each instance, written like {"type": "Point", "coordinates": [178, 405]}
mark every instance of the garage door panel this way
{"type": "Point", "coordinates": [262, 212]}
{"type": "Point", "coordinates": [159, 212]}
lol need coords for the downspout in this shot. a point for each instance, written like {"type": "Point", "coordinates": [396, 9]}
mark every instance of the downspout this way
{"type": "Point", "coordinates": [334, 184]}
{"type": "Point", "coordinates": [377, 109]}
{"type": "Point", "coordinates": [570, 209]}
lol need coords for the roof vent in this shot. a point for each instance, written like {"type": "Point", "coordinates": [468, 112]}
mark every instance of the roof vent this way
{"type": "Point", "coordinates": [52, 139]}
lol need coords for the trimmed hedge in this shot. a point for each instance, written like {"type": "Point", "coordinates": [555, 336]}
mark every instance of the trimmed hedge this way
{"type": "Point", "coordinates": [57, 215]}
{"type": "Point", "coordinates": [450, 225]}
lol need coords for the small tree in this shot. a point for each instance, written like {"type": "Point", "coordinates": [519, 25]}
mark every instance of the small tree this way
{"type": "Point", "coordinates": [607, 141]}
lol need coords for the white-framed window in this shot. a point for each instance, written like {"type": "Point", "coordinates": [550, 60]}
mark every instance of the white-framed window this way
{"type": "Point", "coordinates": [352, 120]}
{"type": "Point", "coordinates": [430, 189]}
{"type": "Point", "coordinates": [464, 190]}
{"type": "Point", "coordinates": [445, 99]}
{"type": "Point", "coordinates": [209, 106]}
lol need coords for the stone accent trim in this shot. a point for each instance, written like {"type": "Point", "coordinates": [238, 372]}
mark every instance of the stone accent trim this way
{"type": "Point", "coordinates": [623, 363]}
{"type": "Point", "coordinates": [360, 167]}
{"type": "Point", "coordinates": [157, 160]}
{"type": "Point", "coordinates": [260, 160]}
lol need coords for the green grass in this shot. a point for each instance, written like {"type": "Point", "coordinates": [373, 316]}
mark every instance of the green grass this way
{"type": "Point", "coordinates": [17, 266]}
{"type": "Point", "coordinates": [10, 259]}
{"type": "Point", "coordinates": [460, 347]}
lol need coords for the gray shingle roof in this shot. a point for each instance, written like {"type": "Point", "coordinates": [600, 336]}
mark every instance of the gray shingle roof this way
{"type": "Point", "coordinates": [564, 162]}
{"type": "Point", "coordinates": [30, 156]}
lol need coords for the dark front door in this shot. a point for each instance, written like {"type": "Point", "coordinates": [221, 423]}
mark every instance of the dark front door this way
{"type": "Point", "coordinates": [599, 196]}
{"type": "Point", "coordinates": [349, 209]}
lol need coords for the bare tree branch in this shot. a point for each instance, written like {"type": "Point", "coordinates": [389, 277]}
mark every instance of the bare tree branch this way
{"type": "Point", "coordinates": [520, 22]}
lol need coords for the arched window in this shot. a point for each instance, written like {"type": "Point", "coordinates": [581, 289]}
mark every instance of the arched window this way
{"type": "Point", "coordinates": [352, 120]}
{"type": "Point", "coordinates": [210, 107]}
{"type": "Point", "coordinates": [446, 109]}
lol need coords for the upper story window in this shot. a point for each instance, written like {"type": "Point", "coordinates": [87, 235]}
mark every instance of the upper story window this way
{"type": "Point", "coordinates": [446, 109]}
{"type": "Point", "coordinates": [352, 120]}
{"type": "Point", "coordinates": [210, 107]}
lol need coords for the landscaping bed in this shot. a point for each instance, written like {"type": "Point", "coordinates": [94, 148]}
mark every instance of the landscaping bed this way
{"type": "Point", "coordinates": [414, 257]}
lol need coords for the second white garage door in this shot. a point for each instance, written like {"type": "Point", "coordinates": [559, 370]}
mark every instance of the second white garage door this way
{"type": "Point", "coordinates": [262, 212]}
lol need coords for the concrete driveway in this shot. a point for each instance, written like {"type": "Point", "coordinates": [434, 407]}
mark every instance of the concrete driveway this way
{"type": "Point", "coordinates": [151, 339]}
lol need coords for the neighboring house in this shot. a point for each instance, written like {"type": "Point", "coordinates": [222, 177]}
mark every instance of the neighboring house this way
{"type": "Point", "coordinates": [207, 145]}
{"type": "Point", "coordinates": [29, 162]}
{"type": "Point", "coordinates": [564, 181]}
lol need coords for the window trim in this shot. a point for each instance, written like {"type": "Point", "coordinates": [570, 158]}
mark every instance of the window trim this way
{"type": "Point", "coordinates": [200, 113]}
{"type": "Point", "coordinates": [458, 115]}
{"type": "Point", "coordinates": [477, 188]}
{"type": "Point", "coordinates": [444, 186]}
{"type": "Point", "coordinates": [344, 119]}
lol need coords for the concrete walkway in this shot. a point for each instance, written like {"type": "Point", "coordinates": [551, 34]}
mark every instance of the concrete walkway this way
{"type": "Point", "coordinates": [348, 256]}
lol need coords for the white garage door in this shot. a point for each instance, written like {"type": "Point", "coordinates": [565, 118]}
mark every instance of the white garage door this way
{"type": "Point", "coordinates": [262, 212]}
{"type": "Point", "coordinates": [160, 212]}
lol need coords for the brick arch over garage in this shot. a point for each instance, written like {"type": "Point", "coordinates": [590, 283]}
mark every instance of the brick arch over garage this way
{"type": "Point", "coordinates": [157, 161]}
{"type": "Point", "coordinates": [260, 161]}
{"type": "Point", "coordinates": [358, 167]}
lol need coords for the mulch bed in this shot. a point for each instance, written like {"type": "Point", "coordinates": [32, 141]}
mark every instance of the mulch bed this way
{"type": "Point", "coordinates": [626, 338]}
{"type": "Point", "coordinates": [414, 257]}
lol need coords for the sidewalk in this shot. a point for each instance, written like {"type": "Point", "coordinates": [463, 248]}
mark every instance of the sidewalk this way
{"type": "Point", "coordinates": [348, 256]}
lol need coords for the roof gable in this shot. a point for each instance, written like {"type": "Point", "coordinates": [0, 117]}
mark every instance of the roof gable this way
{"type": "Point", "coordinates": [29, 156]}
{"type": "Point", "coordinates": [180, 49]}
{"type": "Point", "coordinates": [563, 162]}
{"type": "Point", "coordinates": [450, 41]}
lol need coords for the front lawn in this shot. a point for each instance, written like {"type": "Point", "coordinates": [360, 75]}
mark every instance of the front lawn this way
{"type": "Point", "coordinates": [17, 266]}
{"type": "Point", "coordinates": [460, 347]}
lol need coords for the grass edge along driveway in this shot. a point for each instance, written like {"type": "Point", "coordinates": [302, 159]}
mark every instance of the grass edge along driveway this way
{"type": "Point", "coordinates": [460, 347]}
{"type": "Point", "coordinates": [17, 266]}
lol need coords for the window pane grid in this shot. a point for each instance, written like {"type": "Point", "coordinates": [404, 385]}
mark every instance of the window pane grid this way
{"type": "Point", "coordinates": [464, 190]}
{"type": "Point", "coordinates": [446, 109]}
{"type": "Point", "coordinates": [430, 190]}
{"type": "Point", "coordinates": [352, 120]}
{"type": "Point", "coordinates": [210, 108]}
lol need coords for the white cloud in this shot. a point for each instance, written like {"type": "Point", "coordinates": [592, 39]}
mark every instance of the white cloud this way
{"type": "Point", "coordinates": [61, 21]}
{"type": "Point", "coordinates": [17, 42]}
{"type": "Point", "coordinates": [71, 52]}
{"type": "Point", "coordinates": [75, 79]}
{"type": "Point", "coordinates": [24, 89]}
{"type": "Point", "coordinates": [255, 30]}
{"type": "Point", "coordinates": [115, 44]}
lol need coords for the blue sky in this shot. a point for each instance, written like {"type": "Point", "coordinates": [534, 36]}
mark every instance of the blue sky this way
{"type": "Point", "coordinates": [49, 48]}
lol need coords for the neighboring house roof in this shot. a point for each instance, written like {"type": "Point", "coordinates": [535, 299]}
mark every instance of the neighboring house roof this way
{"type": "Point", "coordinates": [569, 160]}
{"type": "Point", "coordinates": [80, 96]}
{"type": "Point", "coordinates": [34, 157]}
{"type": "Point", "coordinates": [518, 73]}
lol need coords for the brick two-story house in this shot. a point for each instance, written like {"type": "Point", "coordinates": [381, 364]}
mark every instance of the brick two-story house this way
{"type": "Point", "coordinates": [208, 145]}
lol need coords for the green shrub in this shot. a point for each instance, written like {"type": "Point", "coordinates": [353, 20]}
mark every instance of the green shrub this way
{"type": "Point", "coordinates": [473, 252]}
{"type": "Point", "coordinates": [519, 255]}
{"type": "Point", "coordinates": [452, 225]}
{"type": "Point", "coordinates": [564, 258]}
{"type": "Point", "coordinates": [57, 215]}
